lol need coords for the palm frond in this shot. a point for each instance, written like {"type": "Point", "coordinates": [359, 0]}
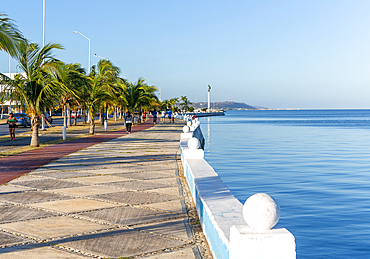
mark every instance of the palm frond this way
{"type": "Point", "coordinates": [10, 36]}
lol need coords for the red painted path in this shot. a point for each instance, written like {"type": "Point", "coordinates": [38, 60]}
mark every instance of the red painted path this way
{"type": "Point", "coordinates": [16, 165]}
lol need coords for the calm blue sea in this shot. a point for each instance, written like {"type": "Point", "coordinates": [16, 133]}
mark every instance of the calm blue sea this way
{"type": "Point", "coordinates": [315, 163]}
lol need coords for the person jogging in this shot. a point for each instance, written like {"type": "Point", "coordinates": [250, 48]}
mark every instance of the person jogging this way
{"type": "Point", "coordinates": [163, 115]}
{"type": "Point", "coordinates": [144, 115]}
{"type": "Point", "coordinates": [169, 116]}
{"type": "Point", "coordinates": [11, 121]}
{"type": "Point", "coordinates": [154, 113]}
{"type": "Point", "coordinates": [128, 120]}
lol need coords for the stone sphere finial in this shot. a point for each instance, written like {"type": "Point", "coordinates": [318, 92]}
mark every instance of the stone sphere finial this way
{"type": "Point", "coordinates": [189, 123]}
{"type": "Point", "coordinates": [193, 143]}
{"type": "Point", "coordinates": [261, 211]}
{"type": "Point", "coordinates": [185, 129]}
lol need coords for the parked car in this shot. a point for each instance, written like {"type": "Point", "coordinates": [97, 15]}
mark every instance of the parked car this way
{"type": "Point", "coordinates": [23, 119]}
{"type": "Point", "coordinates": [73, 114]}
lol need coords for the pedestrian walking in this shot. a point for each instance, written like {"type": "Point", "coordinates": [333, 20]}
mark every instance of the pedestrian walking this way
{"type": "Point", "coordinates": [154, 113]}
{"type": "Point", "coordinates": [169, 116]}
{"type": "Point", "coordinates": [128, 120]}
{"type": "Point", "coordinates": [144, 116]}
{"type": "Point", "coordinates": [11, 121]}
{"type": "Point", "coordinates": [163, 115]}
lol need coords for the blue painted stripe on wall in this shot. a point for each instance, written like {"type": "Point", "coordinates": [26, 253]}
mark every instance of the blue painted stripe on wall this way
{"type": "Point", "coordinates": [218, 247]}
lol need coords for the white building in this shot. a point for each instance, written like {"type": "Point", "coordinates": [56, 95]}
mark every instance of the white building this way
{"type": "Point", "coordinates": [9, 105]}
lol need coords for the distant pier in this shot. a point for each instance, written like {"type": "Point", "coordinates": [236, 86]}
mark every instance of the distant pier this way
{"type": "Point", "coordinates": [205, 114]}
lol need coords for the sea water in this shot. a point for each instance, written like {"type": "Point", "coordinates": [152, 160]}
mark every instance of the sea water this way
{"type": "Point", "coordinates": [315, 163]}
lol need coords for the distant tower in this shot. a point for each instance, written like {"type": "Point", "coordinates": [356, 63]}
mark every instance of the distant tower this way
{"type": "Point", "coordinates": [230, 99]}
{"type": "Point", "coordinates": [159, 93]}
{"type": "Point", "coordinates": [209, 97]}
{"type": "Point", "coordinates": [196, 99]}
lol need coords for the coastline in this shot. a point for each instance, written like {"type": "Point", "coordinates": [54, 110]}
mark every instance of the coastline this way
{"type": "Point", "coordinates": [316, 156]}
{"type": "Point", "coordinates": [221, 213]}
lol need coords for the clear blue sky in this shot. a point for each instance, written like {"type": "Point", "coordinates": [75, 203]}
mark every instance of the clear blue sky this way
{"type": "Point", "coordinates": [277, 54]}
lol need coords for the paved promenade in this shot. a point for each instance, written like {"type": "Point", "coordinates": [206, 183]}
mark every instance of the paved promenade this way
{"type": "Point", "coordinates": [17, 165]}
{"type": "Point", "coordinates": [119, 198]}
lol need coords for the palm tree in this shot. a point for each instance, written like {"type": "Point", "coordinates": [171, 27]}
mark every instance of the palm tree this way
{"type": "Point", "coordinates": [102, 89]}
{"type": "Point", "coordinates": [108, 79]}
{"type": "Point", "coordinates": [95, 95]}
{"type": "Point", "coordinates": [36, 89]}
{"type": "Point", "coordinates": [174, 101]}
{"type": "Point", "coordinates": [122, 88]}
{"type": "Point", "coordinates": [71, 77]}
{"type": "Point", "coordinates": [139, 95]}
{"type": "Point", "coordinates": [10, 36]}
{"type": "Point", "coordinates": [166, 104]}
{"type": "Point", "coordinates": [185, 102]}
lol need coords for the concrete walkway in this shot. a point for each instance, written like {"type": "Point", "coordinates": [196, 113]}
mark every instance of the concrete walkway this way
{"type": "Point", "coordinates": [120, 198]}
{"type": "Point", "coordinates": [19, 164]}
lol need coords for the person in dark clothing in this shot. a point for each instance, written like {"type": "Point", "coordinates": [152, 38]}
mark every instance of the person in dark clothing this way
{"type": "Point", "coordinates": [128, 120]}
{"type": "Point", "coordinates": [11, 121]}
{"type": "Point", "coordinates": [154, 113]}
{"type": "Point", "coordinates": [169, 116]}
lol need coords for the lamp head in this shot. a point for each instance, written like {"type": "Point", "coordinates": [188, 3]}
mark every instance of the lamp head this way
{"type": "Point", "coordinates": [75, 31]}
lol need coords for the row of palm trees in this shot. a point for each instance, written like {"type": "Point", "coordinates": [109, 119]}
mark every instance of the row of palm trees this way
{"type": "Point", "coordinates": [175, 103]}
{"type": "Point", "coordinates": [47, 82]}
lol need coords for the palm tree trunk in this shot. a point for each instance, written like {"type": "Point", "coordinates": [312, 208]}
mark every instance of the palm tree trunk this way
{"type": "Point", "coordinates": [115, 113]}
{"type": "Point", "coordinates": [75, 119]}
{"type": "Point", "coordinates": [92, 125]}
{"type": "Point", "coordinates": [120, 112]}
{"type": "Point", "coordinates": [106, 112]}
{"type": "Point", "coordinates": [35, 131]}
{"type": "Point", "coordinates": [65, 115]}
{"type": "Point", "coordinates": [100, 116]}
{"type": "Point", "coordinates": [84, 111]}
{"type": "Point", "coordinates": [69, 116]}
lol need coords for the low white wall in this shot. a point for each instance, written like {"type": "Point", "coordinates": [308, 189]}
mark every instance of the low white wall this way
{"type": "Point", "coordinates": [221, 215]}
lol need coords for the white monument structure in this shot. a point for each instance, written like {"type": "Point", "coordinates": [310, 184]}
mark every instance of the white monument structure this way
{"type": "Point", "coordinates": [209, 97]}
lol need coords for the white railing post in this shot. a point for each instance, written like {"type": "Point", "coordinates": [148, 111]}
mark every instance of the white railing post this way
{"type": "Point", "coordinates": [233, 231]}
{"type": "Point", "coordinates": [258, 239]}
{"type": "Point", "coordinates": [64, 132]}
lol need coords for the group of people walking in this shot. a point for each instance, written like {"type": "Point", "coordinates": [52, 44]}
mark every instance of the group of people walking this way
{"type": "Point", "coordinates": [128, 121]}
{"type": "Point", "coordinates": [129, 118]}
{"type": "Point", "coordinates": [169, 115]}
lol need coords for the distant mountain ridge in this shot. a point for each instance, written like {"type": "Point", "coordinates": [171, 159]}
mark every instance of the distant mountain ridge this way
{"type": "Point", "coordinates": [226, 106]}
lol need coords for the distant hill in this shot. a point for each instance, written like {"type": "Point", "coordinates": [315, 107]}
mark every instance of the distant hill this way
{"type": "Point", "coordinates": [226, 106]}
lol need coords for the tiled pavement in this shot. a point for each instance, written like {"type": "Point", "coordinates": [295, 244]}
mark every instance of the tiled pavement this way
{"type": "Point", "coordinates": [22, 163]}
{"type": "Point", "coordinates": [119, 198]}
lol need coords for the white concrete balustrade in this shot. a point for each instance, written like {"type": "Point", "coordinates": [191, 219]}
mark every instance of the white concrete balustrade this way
{"type": "Point", "coordinates": [232, 230]}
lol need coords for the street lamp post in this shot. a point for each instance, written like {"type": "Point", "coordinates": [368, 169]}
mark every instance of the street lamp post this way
{"type": "Point", "coordinates": [95, 55]}
{"type": "Point", "coordinates": [43, 45]}
{"type": "Point", "coordinates": [43, 22]}
{"type": "Point", "coordinates": [89, 48]}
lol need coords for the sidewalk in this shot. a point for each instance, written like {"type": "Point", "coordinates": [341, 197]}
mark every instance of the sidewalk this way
{"type": "Point", "coordinates": [119, 198]}
{"type": "Point", "coordinates": [19, 164]}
